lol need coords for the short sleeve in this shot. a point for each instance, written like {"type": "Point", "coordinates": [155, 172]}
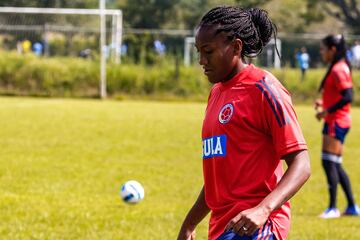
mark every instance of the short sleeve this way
{"type": "Point", "coordinates": [342, 77]}
{"type": "Point", "coordinates": [279, 119]}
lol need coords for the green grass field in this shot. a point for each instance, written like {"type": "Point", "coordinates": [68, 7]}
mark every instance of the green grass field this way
{"type": "Point", "coordinates": [62, 163]}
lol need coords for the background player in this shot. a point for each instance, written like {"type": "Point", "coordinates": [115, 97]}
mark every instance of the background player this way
{"type": "Point", "coordinates": [249, 126]}
{"type": "Point", "coordinates": [334, 108]}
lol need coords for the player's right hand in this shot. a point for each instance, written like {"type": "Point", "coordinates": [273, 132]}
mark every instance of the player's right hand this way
{"type": "Point", "coordinates": [318, 104]}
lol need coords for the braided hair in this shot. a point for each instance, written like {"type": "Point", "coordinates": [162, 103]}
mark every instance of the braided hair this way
{"type": "Point", "coordinates": [338, 42]}
{"type": "Point", "coordinates": [252, 26]}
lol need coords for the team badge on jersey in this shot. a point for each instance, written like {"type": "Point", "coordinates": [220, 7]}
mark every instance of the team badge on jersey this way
{"type": "Point", "coordinates": [226, 113]}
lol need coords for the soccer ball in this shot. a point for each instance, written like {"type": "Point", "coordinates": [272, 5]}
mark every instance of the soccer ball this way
{"type": "Point", "coordinates": [132, 192]}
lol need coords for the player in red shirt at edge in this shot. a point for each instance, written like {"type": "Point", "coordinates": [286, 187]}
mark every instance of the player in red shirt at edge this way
{"type": "Point", "coordinates": [249, 126]}
{"type": "Point", "coordinates": [334, 108]}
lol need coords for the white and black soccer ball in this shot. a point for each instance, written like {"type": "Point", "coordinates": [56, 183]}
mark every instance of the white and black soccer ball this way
{"type": "Point", "coordinates": [132, 192]}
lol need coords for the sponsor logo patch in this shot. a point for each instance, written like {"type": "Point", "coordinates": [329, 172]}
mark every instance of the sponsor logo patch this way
{"type": "Point", "coordinates": [214, 146]}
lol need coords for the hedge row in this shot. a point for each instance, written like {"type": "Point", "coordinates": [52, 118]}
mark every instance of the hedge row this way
{"type": "Point", "coordinates": [75, 77]}
{"type": "Point", "coordinates": [307, 90]}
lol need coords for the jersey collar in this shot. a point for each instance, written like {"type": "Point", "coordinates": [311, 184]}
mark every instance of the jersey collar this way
{"type": "Point", "coordinates": [237, 78]}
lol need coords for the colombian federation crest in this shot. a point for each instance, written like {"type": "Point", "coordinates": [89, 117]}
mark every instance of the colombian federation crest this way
{"type": "Point", "coordinates": [226, 113]}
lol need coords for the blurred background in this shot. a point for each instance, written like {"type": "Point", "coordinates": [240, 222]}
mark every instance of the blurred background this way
{"type": "Point", "coordinates": [149, 47]}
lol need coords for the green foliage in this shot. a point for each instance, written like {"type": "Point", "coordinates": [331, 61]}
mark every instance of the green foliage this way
{"type": "Point", "coordinates": [76, 77]}
{"type": "Point", "coordinates": [185, 14]}
{"type": "Point", "coordinates": [313, 13]}
{"type": "Point", "coordinates": [51, 3]}
{"type": "Point", "coordinates": [30, 75]}
{"type": "Point", "coordinates": [174, 14]}
{"type": "Point", "coordinates": [191, 11]}
{"type": "Point", "coordinates": [306, 91]}
{"type": "Point", "coordinates": [347, 12]}
{"type": "Point", "coordinates": [143, 14]}
{"type": "Point", "coordinates": [71, 45]}
{"type": "Point", "coordinates": [251, 3]}
{"type": "Point", "coordinates": [157, 80]}
{"type": "Point", "coordinates": [63, 162]}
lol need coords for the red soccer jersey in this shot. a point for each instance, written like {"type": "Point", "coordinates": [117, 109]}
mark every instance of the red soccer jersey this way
{"type": "Point", "coordinates": [249, 125]}
{"type": "Point", "coordinates": [338, 80]}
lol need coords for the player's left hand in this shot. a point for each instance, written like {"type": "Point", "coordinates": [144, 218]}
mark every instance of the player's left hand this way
{"type": "Point", "coordinates": [248, 221]}
{"type": "Point", "coordinates": [320, 115]}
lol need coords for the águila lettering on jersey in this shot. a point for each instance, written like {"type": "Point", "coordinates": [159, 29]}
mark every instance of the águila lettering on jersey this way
{"type": "Point", "coordinates": [214, 146]}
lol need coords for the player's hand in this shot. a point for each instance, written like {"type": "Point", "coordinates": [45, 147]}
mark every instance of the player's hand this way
{"type": "Point", "coordinates": [318, 104]}
{"type": "Point", "coordinates": [321, 115]}
{"type": "Point", "coordinates": [186, 233]}
{"type": "Point", "coordinates": [248, 221]}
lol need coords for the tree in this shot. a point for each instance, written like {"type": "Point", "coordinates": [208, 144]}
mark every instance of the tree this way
{"type": "Point", "coordinates": [191, 11]}
{"type": "Point", "coordinates": [51, 3]}
{"type": "Point", "coordinates": [251, 3]}
{"type": "Point", "coordinates": [347, 11]}
{"type": "Point", "coordinates": [148, 14]}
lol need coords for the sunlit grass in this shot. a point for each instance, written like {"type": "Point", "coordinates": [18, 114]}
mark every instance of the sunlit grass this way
{"type": "Point", "coordinates": [62, 163]}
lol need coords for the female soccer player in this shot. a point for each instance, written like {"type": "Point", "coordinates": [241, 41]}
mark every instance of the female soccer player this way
{"type": "Point", "coordinates": [249, 126]}
{"type": "Point", "coordinates": [334, 108]}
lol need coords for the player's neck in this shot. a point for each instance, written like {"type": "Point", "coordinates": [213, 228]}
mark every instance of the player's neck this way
{"type": "Point", "coordinates": [240, 66]}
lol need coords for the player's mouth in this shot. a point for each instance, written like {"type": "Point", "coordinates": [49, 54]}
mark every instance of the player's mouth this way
{"type": "Point", "coordinates": [207, 71]}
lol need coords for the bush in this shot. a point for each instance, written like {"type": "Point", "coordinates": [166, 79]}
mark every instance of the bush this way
{"type": "Point", "coordinates": [307, 90]}
{"type": "Point", "coordinates": [76, 77]}
{"type": "Point", "coordinates": [58, 77]}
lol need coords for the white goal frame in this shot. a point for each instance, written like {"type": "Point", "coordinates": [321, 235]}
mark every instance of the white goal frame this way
{"type": "Point", "coordinates": [116, 37]}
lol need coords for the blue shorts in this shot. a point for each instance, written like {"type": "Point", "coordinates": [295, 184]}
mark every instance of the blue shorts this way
{"type": "Point", "coordinates": [263, 233]}
{"type": "Point", "coordinates": [334, 130]}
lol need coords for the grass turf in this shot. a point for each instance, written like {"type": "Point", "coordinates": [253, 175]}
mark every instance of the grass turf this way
{"type": "Point", "coordinates": [62, 163]}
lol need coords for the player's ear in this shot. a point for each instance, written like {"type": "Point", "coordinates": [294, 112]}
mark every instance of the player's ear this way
{"type": "Point", "coordinates": [238, 46]}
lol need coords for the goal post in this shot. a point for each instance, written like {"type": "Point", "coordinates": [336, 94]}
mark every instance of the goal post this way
{"type": "Point", "coordinates": [188, 45]}
{"type": "Point", "coordinates": [116, 35]}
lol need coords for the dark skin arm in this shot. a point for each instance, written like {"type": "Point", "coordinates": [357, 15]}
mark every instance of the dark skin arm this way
{"type": "Point", "coordinates": [196, 214]}
{"type": "Point", "coordinates": [347, 97]}
{"type": "Point", "coordinates": [295, 176]}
